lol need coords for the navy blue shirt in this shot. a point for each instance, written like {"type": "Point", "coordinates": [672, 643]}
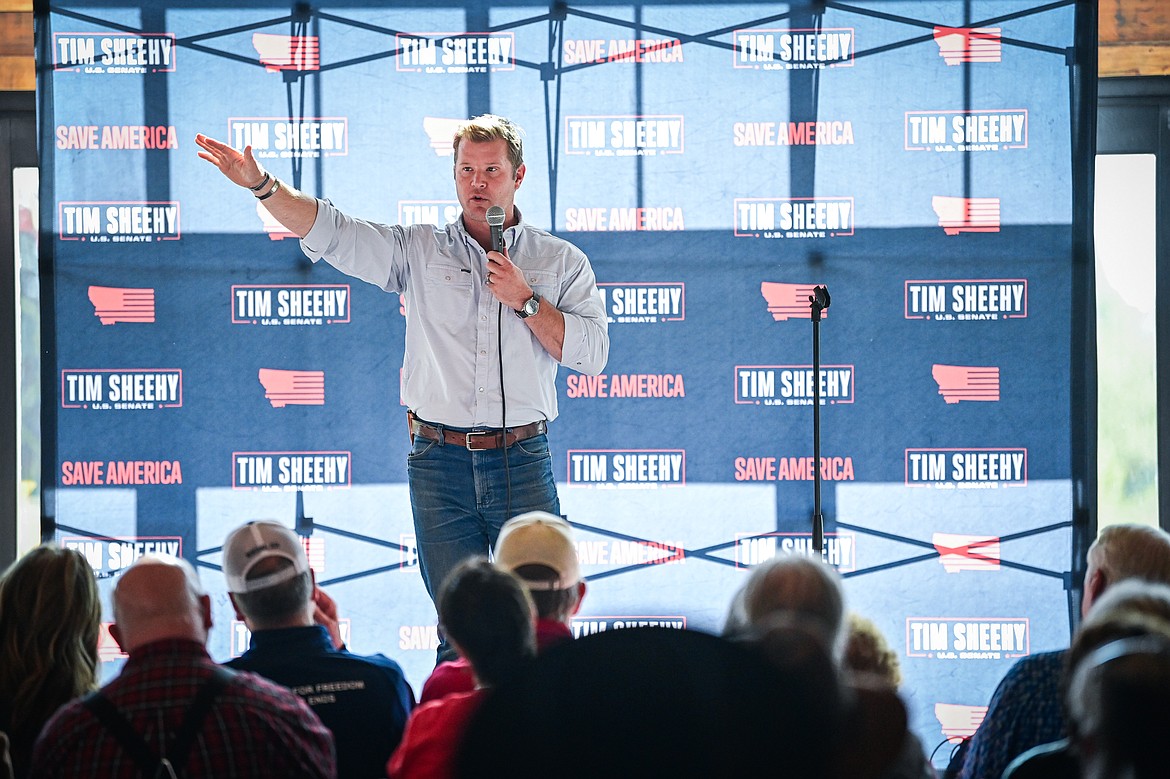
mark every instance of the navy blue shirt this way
{"type": "Point", "coordinates": [364, 700]}
{"type": "Point", "coordinates": [1025, 711]}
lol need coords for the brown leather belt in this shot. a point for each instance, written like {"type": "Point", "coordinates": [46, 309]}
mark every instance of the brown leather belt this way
{"type": "Point", "coordinates": [476, 440]}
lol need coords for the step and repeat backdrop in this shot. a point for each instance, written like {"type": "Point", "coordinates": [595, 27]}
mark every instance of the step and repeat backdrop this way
{"type": "Point", "coordinates": [716, 161]}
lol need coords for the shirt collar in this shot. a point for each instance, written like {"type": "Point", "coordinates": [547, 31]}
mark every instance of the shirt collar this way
{"type": "Point", "coordinates": [168, 648]}
{"type": "Point", "coordinates": [313, 637]}
{"type": "Point", "coordinates": [462, 230]}
{"type": "Point", "coordinates": [550, 632]}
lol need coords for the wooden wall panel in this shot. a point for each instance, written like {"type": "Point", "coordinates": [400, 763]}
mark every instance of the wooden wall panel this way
{"type": "Point", "coordinates": [1133, 21]}
{"type": "Point", "coordinates": [17, 72]}
{"type": "Point", "coordinates": [1141, 59]}
{"type": "Point", "coordinates": [1133, 38]}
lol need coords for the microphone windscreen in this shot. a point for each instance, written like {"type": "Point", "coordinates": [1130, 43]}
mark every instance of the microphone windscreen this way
{"type": "Point", "coordinates": [495, 216]}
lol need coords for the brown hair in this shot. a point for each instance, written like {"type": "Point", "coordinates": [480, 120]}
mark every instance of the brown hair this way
{"type": "Point", "coordinates": [550, 604]}
{"type": "Point", "coordinates": [488, 613]}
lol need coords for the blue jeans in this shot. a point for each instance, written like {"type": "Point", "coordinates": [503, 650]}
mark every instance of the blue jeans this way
{"type": "Point", "coordinates": [460, 498]}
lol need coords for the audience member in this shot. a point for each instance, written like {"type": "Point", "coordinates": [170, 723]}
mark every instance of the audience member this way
{"type": "Point", "coordinates": [1119, 709]}
{"type": "Point", "coordinates": [538, 548]}
{"type": "Point", "coordinates": [5, 757]}
{"type": "Point", "coordinates": [1026, 709]}
{"type": "Point", "coordinates": [1131, 597]}
{"type": "Point", "coordinates": [806, 592]}
{"type": "Point", "coordinates": [364, 701]}
{"type": "Point", "coordinates": [50, 623]}
{"type": "Point", "coordinates": [487, 616]}
{"type": "Point", "coordinates": [641, 702]}
{"type": "Point", "coordinates": [868, 652]}
{"type": "Point", "coordinates": [661, 702]}
{"type": "Point", "coordinates": [803, 589]}
{"type": "Point", "coordinates": [1130, 609]}
{"type": "Point", "coordinates": [172, 708]}
{"type": "Point", "coordinates": [736, 622]}
{"type": "Point", "coordinates": [869, 660]}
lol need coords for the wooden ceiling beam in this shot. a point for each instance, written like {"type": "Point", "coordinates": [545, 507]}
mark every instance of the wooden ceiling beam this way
{"type": "Point", "coordinates": [1134, 40]}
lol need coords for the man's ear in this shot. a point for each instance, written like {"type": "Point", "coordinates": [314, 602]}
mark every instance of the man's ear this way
{"type": "Point", "coordinates": [1095, 584]}
{"type": "Point", "coordinates": [580, 595]}
{"type": "Point", "coordinates": [205, 611]}
{"type": "Point", "coordinates": [235, 605]}
{"type": "Point", "coordinates": [116, 634]}
{"type": "Point", "coordinates": [520, 174]}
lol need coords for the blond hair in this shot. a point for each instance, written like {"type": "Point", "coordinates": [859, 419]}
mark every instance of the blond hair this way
{"type": "Point", "coordinates": [489, 127]}
{"type": "Point", "coordinates": [50, 623]}
{"type": "Point", "coordinates": [867, 651]}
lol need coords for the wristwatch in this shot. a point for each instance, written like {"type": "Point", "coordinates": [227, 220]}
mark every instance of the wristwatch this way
{"type": "Point", "coordinates": [530, 307]}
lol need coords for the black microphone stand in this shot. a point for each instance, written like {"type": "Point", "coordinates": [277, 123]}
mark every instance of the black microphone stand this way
{"type": "Point", "coordinates": [818, 302]}
{"type": "Point", "coordinates": [304, 525]}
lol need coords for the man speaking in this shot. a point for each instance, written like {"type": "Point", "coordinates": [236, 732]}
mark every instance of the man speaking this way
{"type": "Point", "coordinates": [486, 328]}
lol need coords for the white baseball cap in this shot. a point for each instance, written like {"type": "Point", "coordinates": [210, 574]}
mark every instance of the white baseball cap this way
{"type": "Point", "coordinates": [259, 540]}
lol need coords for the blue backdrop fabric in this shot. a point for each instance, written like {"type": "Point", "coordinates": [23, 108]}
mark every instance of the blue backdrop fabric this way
{"type": "Point", "coordinates": [715, 161]}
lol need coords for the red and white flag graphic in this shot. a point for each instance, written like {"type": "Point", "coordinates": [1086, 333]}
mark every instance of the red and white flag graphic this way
{"type": "Point", "coordinates": [966, 382]}
{"type": "Point", "coordinates": [788, 301]}
{"type": "Point", "coordinates": [287, 52]}
{"type": "Point", "coordinates": [442, 133]}
{"type": "Point", "coordinates": [959, 552]}
{"type": "Point", "coordinates": [293, 388]}
{"type": "Point", "coordinates": [967, 214]}
{"type": "Point", "coordinates": [315, 551]}
{"type": "Point", "coordinates": [959, 722]}
{"type": "Point", "coordinates": [108, 648]}
{"type": "Point", "coordinates": [122, 304]}
{"type": "Point", "coordinates": [968, 44]}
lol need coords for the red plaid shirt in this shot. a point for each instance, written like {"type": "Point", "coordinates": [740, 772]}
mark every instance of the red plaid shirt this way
{"type": "Point", "coordinates": [255, 729]}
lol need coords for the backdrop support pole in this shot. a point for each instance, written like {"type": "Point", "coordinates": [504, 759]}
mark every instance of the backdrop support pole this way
{"type": "Point", "coordinates": [818, 302]}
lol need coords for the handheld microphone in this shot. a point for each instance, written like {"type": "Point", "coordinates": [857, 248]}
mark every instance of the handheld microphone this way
{"type": "Point", "coordinates": [495, 219]}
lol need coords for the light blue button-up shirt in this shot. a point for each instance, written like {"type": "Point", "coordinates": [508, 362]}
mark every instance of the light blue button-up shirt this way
{"type": "Point", "coordinates": [451, 368]}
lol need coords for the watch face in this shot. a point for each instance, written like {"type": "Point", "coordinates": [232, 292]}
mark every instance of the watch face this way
{"type": "Point", "coordinates": [531, 305]}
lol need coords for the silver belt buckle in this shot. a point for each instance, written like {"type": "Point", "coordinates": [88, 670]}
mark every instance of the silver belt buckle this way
{"type": "Point", "coordinates": [480, 433]}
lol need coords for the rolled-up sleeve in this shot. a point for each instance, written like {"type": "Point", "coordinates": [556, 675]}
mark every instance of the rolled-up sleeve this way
{"type": "Point", "coordinates": [365, 250]}
{"type": "Point", "coordinates": [586, 345]}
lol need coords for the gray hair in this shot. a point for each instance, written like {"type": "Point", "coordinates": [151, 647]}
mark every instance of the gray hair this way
{"type": "Point", "coordinates": [800, 587]}
{"type": "Point", "coordinates": [1132, 551]}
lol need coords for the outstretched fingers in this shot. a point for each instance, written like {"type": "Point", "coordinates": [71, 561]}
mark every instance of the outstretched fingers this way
{"type": "Point", "coordinates": [240, 168]}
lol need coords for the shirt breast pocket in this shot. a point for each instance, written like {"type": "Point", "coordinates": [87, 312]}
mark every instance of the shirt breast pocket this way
{"type": "Point", "coordinates": [446, 299]}
{"type": "Point", "coordinates": [545, 283]}
{"type": "Point", "coordinates": [441, 276]}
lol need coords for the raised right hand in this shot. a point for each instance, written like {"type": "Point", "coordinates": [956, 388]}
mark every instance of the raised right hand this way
{"type": "Point", "coordinates": [240, 168]}
{"type": "Point", "coordinates": [325, 614]}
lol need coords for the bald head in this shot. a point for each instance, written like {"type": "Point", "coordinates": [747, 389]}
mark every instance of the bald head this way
{"type": "Point", "coordinates": [159, 597]}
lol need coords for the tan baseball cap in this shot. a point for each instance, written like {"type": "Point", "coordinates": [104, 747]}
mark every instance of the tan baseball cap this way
{"type": "Point", "coordinates": [540, 538]}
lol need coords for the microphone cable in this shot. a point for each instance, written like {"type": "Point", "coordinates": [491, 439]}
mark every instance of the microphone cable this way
{"type": "Point", "coordinates": [495, 218]}
{"type": "Point", "coordinates": [503, 409]}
